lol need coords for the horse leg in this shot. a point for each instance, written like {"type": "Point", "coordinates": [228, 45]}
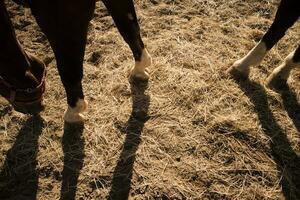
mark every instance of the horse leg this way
{"type": "Point", "coordinates": [65, 24]}
{"type": "Point", "coordinates": [280, 74]}
{"type": "Point", "coordinates": [286, 15]}
{"type": "Point", "coordinates": [124, 16]}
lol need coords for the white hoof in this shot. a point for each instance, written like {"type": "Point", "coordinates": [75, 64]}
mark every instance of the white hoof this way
{"type": "Point", "coordinates": [141, 75]}
{"type": "Point", "coordinates": [239, 69]}
{"type": "Point", "coordinates": [74, 118]}
{"type": "Point", "coordinates": [73, 115]}
{"type": "Point", "coordinates": [139, 71]}
{"type": "Point", "coordinates": [253, 58]}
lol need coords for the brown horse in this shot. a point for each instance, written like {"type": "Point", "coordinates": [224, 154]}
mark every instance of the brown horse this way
{"type": "Point", "coordinates": [287, 14]}
{"type": "Point", "coordinates": [65, 23]}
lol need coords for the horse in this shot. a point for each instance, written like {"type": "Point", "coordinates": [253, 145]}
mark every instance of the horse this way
{"type": "Point", "coordinates": [65, 24]}
{"type": "Point", "coordinates": [287, 14]}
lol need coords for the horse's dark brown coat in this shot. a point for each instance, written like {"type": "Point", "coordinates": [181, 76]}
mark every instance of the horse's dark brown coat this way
{"type": "Point", "coordinates": [65, 23]}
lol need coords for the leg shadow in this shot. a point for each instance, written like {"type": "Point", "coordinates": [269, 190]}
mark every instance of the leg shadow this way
{"type": "Point", "coordinates": [73, 148]}
{"type": "Point", "coordinates": [287, 160]}
{"type": "Point", "coordinates": [291, 105]}
{"type": "Point", "coordinates": [121, 182]}
{"type": "Point", "coordinates": [18, 176]}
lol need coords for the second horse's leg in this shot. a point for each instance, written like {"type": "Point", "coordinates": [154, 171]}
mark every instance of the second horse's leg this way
{"type": "Point", "coordinates": [124, 16]}
{"type": "Point", "coordinates": [280, 74]}
{"type": "Point", "coordinates": [286, 16]}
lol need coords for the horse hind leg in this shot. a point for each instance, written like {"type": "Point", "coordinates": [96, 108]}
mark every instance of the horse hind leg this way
{"type": "Point", "coordinates": [124, 16]}
{"type": "Point", "coordinates": [280, 74]}
{"type": "Point", "coordinates": [286, 15]}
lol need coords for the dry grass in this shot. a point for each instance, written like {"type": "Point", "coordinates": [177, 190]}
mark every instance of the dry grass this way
{"type": "Point", "coordinates": [191, 133]}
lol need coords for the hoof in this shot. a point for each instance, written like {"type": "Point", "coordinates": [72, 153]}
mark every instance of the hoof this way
{"type": "Point", "coordinates": [139, 76]}
{"type": "Point", "coordinates": [140, 71]}
{"type": "Point", "coordinates": [74, 118]}
{"type": "Point", "coordinates": [238, 70]}
{"type": "Point", "coordinates": [73, 115]}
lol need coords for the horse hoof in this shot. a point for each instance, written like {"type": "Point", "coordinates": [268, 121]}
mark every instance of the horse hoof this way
{"type": "Point", "coordinates": [139, 76]}
{"type": "Point", "coordinates": [238, 70]}
{"type": "Point", "coordinates": [73, 115]}
{"type": "Point", "coordinates": [139, 71]}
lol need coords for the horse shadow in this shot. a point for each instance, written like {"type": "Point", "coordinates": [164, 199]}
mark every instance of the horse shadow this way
{"type": "Point", "coordinates": [286, 158]}
{"type": "Point", "coordinates": [18, 175]}
{"type": "Point", "coordinates": [122, 175]}
{"type": "Point", "coordinates": [73, 149]}
{"type": "Point", "coordinates": [291, 105]}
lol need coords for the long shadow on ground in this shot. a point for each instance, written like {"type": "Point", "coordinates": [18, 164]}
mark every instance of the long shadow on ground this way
{"type": "Point", "coordinates": [291, 105]}
{"type": "Point", "coordinates": [287, 160]}
{"type": "Point", "coordinates": [18, 176]}
{"type": "Point", "coordinates": [121, 182]}
{"type": "Point", "coordinates": [73, 148]}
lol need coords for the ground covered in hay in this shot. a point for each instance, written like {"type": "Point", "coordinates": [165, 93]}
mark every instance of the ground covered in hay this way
{"type": "Point", "coordinates": [191, 132]}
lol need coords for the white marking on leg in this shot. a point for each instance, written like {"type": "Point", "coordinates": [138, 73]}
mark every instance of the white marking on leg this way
{"type": "Point", "coordinates": [282, 72]}
{"type": "Point", "coordinates": [73, 115]}
{"type": "Point", "coordinates": [253, 58]}
{"type": "Point", "coordinates": [139, 71]}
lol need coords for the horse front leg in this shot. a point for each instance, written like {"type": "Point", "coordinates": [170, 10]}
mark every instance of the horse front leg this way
{"type": "Point", "coordinates": [124, 16]}
{"type": "Point", "coordinates": [65, 24]}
